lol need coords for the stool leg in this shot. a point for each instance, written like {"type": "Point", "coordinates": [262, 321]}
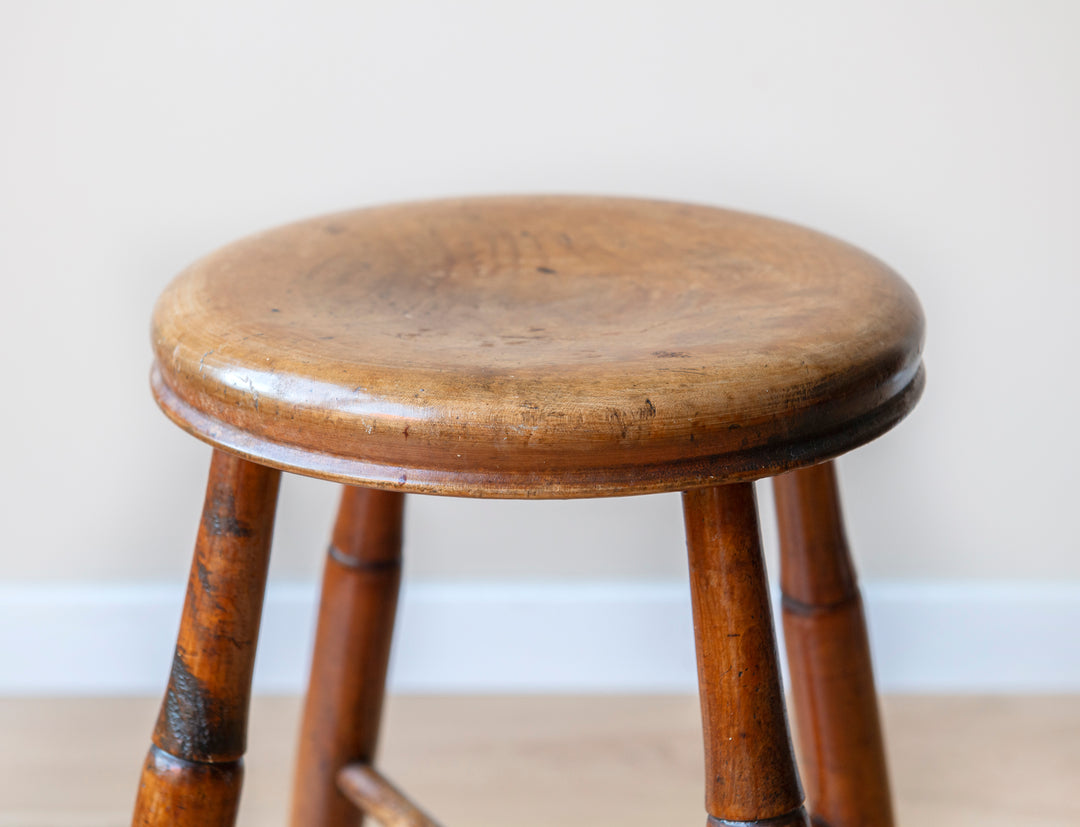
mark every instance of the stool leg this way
{"type": "Point", "coordinates": [829, 655]}
{"type": "Point", "coordinates": [352, 651]}
{"type": "Point", "coordinates": [750, 774]}
{"type": "Point", "coordinates": [193, 772]}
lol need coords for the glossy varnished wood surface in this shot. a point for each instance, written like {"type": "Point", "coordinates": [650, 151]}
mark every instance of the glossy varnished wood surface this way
{"type": "Point", "coordinates": [832, 678]}
{"type": "Point", "coordinates": [537, 347]}
{"type": "Point", "coordinates": [344, 699]}
{"type": "Point", "coordinates": [180, 793]}
{"type": "Point", "coordinates": [193, 773]}
{"type": "Point", "coordinates": [750, 773]}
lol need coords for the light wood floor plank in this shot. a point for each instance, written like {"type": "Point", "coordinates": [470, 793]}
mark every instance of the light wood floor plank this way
{"type": "Point", "coordinates": [572, 761]}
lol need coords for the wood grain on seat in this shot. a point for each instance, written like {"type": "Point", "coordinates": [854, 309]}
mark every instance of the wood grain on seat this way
{"type": "Point", "coordinates": [538, 347]}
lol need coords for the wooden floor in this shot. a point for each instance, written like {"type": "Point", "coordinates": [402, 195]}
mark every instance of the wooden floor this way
{"type": "Point", "coordinates": [568, 761]}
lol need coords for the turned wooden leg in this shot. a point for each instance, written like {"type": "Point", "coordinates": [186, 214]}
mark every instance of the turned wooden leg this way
{"type": "Point", "coordinates": [193, 773]}
{"type": "Point", "coordinates": [352, 651]}
{"type": "Point", "coordinates": [750, 774]}
{"type": "Point", "coordinates": [829, 655]}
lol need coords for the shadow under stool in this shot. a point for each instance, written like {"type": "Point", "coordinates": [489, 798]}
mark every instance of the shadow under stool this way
{"type": "Point", "coordinates": [533, 347]}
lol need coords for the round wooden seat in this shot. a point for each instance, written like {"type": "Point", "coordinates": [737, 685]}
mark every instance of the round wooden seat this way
{"type": "Point", "coordinates": [538, 347]}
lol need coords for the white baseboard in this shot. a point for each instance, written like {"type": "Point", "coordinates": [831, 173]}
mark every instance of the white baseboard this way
{"type": "Point", "coordinates": [546, 637]}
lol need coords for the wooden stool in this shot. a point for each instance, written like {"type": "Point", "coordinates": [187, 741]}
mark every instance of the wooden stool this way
{"type": "Point", "coordinates": [545, 347]}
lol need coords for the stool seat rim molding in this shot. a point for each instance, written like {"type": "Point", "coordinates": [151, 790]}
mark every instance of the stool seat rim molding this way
{"type": "Point", "coordinates": [538, 347]}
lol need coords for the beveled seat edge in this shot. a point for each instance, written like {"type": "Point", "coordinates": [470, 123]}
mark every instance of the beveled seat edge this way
{"type": "Point", "coordinates": [553, 483]}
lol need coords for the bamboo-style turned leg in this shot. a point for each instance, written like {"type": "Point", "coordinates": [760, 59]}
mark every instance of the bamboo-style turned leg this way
{"type": "Point", "coordinates": [750, 773]}
{"type": "Point", "coordinates": [193, 773]}
{"type": "Point", "coordinates": [352, 650]}
{"type": "Point", "coordinates": [829, 655]}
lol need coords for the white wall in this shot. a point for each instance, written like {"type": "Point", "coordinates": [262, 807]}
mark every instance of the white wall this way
{"type": "Point", "coordinates": [942, 136]}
